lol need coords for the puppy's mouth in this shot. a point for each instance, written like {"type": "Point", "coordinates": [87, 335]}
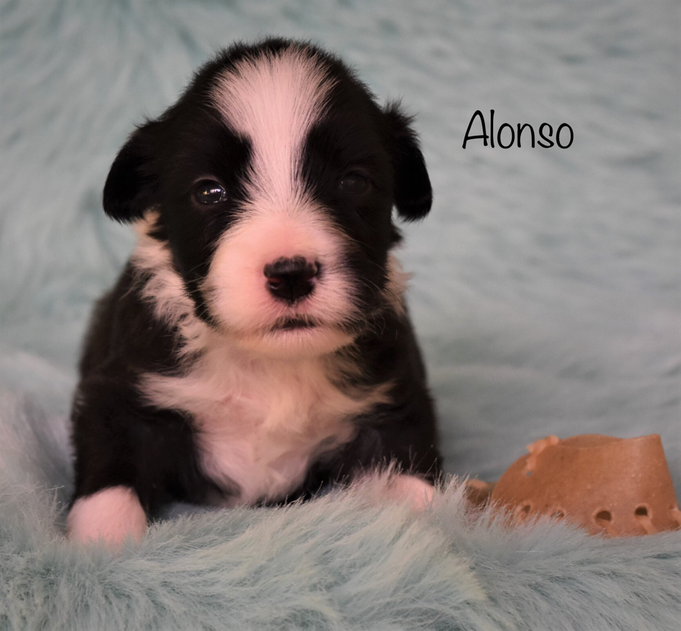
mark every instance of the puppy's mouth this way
{"type": "Point", "coordinates": [296, 334]}
{"type": "Point", "coordinates": [293, 324]}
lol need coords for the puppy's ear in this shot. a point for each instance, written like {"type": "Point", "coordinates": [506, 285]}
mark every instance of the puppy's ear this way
{"type": "Point", "coordinates": [132, 185]}
{"type": "Point", "coordinates": [413, 193]}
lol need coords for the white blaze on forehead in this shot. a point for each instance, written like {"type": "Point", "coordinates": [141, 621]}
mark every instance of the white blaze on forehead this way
{"type": "Point", "coordinates": [274, 100]}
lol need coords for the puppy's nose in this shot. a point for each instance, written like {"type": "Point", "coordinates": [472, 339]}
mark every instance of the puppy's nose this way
{"type": "Point", "coordinates": [290, 279]}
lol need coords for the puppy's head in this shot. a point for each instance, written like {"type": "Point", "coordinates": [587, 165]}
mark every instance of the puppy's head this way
{"type": "Point", "coordinates": [273, 180]}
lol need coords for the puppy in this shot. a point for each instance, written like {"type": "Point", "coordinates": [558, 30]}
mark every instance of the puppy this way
{"type": "Point", "coordinates": [256, 346]}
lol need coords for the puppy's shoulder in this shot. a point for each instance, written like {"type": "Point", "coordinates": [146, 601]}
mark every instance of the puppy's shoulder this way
{"type": "Point", "coordinates": [124, 332]}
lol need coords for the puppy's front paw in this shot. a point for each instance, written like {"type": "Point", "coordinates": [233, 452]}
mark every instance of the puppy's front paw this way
{"type": "Point", "coordinates": [409, 488]}
{"type": "Point", "coordinates": [111, 515]}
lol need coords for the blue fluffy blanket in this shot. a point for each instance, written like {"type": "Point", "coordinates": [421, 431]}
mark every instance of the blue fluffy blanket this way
{"type": "Point", "coordinates": [546, 292]}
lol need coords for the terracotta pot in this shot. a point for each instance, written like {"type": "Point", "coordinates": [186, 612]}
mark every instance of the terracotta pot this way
{"type": "Point", "coordinates": [616, 486]}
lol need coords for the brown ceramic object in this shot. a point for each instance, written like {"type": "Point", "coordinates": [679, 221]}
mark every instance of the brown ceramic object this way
{"type": "Point", "coordinates": [616, 486]}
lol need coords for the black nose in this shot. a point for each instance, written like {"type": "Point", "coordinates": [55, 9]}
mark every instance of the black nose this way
{"type": "Point", "coordinates": [291, 279]}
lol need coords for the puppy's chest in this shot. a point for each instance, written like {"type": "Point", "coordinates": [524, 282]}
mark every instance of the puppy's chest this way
{"type": "Point", "coordinates": [260, 426]}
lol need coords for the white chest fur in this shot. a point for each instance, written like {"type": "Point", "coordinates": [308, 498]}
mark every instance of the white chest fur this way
{"type": "Point", "coordinates": [261, 421]}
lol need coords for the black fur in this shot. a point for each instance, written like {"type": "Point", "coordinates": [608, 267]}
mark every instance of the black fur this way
{"type": "Point", "coordinates": [122, 440]}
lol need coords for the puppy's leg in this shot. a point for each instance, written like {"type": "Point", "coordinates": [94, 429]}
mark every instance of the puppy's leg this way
{"type": "Point", "coordinates": [406, 440]}
{"type": "Point", "coordinates": [130, 460]}
{"type": "Point", "coordinates": [111, 515]}
{"type": "Point", "coordinates": [412, 489]}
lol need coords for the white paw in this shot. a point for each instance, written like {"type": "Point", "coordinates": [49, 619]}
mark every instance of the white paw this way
{"type": "Point", "coordinates": [409, 488]}
{"type": "Point", "coordinates": [111, 515]}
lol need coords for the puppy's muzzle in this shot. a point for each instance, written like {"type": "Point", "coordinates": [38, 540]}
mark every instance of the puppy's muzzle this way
{"type": "Point", "coordinates": [291, 279]}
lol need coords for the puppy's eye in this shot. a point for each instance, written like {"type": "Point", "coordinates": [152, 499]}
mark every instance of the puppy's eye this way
{"type": "Point", "coordinates": [209, 192]}
{"type": "Point", "coordinates": [354, 184]}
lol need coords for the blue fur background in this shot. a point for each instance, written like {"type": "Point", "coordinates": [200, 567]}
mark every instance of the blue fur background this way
{"type": "Point", "coordinates": [546, 293]}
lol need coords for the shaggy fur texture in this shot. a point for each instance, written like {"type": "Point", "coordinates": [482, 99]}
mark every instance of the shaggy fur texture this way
{"type": "Point", "coordinates": [341, 562]}
{"type": "Point", "coordinates": [546, 295]}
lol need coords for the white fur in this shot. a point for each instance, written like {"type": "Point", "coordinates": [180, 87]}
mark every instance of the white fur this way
{"type": "Point", "coordinates": [398, 280]}
{"type": "Point", "coordinates": [262, 420]}
{"type": "Point", "coordinates": [237, 287]}
{"type": "Point", "coordinates": [409, 488]}
{"type": "Point", "coordinates": [111, 515]}
{"type": "Point", "coordinates": [165, 290]}
{"type": "Point", "coordinates": [273, 102]}
{"type": "Point", "coordinates": [247, 326]}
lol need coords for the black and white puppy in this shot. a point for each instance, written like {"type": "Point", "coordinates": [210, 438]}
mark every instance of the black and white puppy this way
{"type": "Point", "coordinates": [256, 347]}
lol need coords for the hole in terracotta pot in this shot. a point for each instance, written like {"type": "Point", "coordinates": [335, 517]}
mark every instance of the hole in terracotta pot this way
{"type": "Point", "coordinates": [642, 511]}
{"type": "Point", "coordinates": [603, 519]}
{"type": "Point", "coordinates": [603, 515]}
{"type": "Point", "coordinates": [644, 516]}
{"type": "Point", "coordinates": [523, 511]}
{"type": "Point", "coordinates": [558, 513]}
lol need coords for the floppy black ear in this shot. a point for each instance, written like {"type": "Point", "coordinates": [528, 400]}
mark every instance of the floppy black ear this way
{"type": "Point", "coordinates": [413, 193]}
{"type": "Point", "coordinates": [132, 185]}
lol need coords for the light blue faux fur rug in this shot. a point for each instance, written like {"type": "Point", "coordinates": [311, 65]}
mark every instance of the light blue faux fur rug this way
{"type": "Point", "coordinates": [546, 292]}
